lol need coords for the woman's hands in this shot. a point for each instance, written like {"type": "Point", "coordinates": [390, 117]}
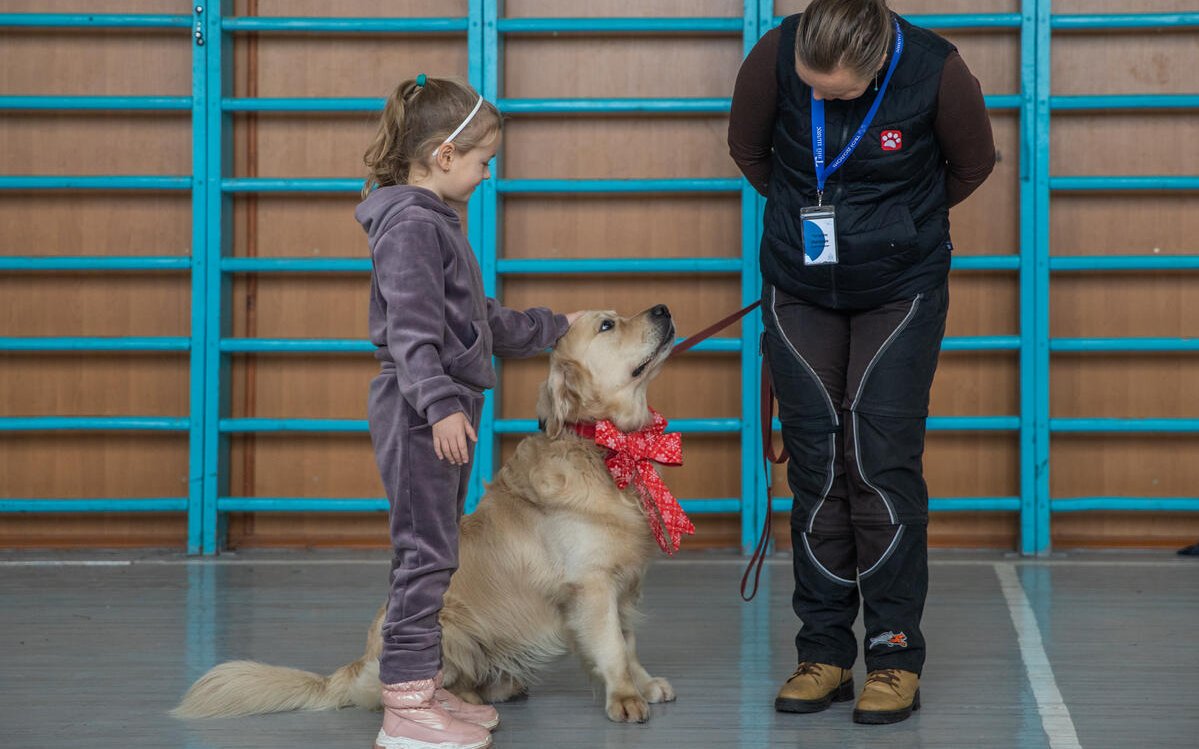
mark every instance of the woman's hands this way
{"type": "Point", "coordinates": [449, 438]}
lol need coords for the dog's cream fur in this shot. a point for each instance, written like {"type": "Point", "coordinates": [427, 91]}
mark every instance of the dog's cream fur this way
{"type": "Point", "coordinates": [550, 562]}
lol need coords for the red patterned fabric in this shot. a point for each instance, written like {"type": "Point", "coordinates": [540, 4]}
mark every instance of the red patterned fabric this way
{"type": "Point", "coordinates": [630, 460]}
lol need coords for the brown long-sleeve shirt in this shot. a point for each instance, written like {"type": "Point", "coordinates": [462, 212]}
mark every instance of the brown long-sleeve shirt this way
{"type": "Point", "coordinates": [962, 127]}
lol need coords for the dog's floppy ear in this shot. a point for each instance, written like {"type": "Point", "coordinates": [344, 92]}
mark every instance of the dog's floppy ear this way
{"type": "Point", "coordinates": [559, 401]}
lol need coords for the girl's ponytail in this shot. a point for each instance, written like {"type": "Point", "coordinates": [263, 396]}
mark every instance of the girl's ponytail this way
{"type": "Point", "coordinates": [383, 160]}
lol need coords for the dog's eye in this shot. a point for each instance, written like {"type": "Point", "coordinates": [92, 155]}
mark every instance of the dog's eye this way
{"type": "Point", "coordinates": [606, 325]}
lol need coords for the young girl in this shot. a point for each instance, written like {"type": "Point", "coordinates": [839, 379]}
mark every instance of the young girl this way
{"type": "Point", "coordinates": [436, 332]}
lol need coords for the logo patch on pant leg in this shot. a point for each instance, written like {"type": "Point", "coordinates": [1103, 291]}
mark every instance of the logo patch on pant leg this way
{"type": "Point", "coordinates": [890, 639]}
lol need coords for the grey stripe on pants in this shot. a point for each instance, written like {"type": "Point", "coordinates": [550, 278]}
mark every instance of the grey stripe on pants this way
{"type": "Point", "coordinates": [426, 498]}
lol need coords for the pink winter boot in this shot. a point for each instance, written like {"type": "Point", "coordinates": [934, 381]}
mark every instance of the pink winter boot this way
{"type": "Point", "coordinates": [483, 715]}
{"type": "Point", "coordinates": [413, 719]}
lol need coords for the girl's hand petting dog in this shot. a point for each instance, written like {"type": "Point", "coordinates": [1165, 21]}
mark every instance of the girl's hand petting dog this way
{"type": "Point", "coordinates": [449, 438]}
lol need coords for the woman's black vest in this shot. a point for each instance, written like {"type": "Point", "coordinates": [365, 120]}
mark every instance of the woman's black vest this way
{"type": "Point", "coordinates": [892, 213]}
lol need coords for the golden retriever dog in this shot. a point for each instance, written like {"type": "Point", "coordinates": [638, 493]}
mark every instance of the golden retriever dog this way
{"type": "Point", "coordinates": [550, 562]}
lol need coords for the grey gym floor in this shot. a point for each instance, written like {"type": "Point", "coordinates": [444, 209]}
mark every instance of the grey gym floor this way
{"type": "Point", "coordinates": [1080, 650]}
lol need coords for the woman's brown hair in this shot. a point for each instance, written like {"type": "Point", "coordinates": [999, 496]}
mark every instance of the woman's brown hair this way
{"type": "Point", "coordinates": [853, 34]}
{"type": "Point", "coordinates": [416, 120]}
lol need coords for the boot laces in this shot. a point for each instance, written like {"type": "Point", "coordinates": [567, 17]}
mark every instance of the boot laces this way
{"type": "Point", "coordinates": [887, 676]}
{"type": "Point", "coordinates": [807, 667]}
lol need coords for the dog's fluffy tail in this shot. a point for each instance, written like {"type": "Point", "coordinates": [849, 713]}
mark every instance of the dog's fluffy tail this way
{"type": "Point", "coordinates": [249, 688]}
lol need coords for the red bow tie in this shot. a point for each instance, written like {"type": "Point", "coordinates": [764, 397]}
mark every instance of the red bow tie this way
{"type": "Point", "coordinates": [629, 461]}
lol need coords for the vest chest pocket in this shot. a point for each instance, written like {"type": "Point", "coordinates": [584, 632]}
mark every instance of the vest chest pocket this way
{"type": "Point", "coordinates": [894, 240]}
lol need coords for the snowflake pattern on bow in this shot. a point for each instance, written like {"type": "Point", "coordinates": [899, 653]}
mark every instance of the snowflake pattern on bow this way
{"type": "Point", "coordinates": [630, 460]}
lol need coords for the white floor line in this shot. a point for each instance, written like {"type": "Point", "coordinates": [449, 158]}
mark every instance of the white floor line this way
{"type": "Point", "coordinates": [1055, 716]}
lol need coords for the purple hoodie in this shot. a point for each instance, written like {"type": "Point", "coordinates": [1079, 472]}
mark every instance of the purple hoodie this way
{"type": "Point", "coordinates": [429, 317]}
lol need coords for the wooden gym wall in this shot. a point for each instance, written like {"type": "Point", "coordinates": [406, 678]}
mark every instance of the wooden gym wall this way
{"type": "Point", "coordinates": [611, 146]}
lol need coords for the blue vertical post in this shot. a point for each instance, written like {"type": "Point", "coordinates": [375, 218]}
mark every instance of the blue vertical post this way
{"type": "Point", "coordinates": [758, 17]}
{"type": "Point", "coordinates": [486, 58]}
{"type": "Point", "coordinates": [755, 617]}
{"type": "Point", "coordinates": [1041, 544]}
{"type": "Point", "coordinates": [196, 390]}
{"type": "Point", "coordinates": [1028, 309]}
{"type": "Point", "coordinates": [476, 66]}
{"type": "Point", "coordinates": [218, 235]}
{"type": "Point", "coordinates": [766, 22]}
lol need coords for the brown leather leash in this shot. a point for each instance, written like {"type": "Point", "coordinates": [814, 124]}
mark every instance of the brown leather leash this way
{"type": "Point", "coordinates": [759, 556]}
{"type": "Point", "coordinates": [713, 329]}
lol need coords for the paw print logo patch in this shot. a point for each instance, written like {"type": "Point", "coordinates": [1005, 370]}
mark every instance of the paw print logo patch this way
{"type": "Point", "coordinates": [891, 140]}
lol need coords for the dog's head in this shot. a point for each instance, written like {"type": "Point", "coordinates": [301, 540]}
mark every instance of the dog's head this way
{"type": "Point", "coordinates": [601, 368]}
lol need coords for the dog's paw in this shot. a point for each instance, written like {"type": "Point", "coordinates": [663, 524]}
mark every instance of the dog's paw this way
{"type": "Point", "coordinates": [628, 708]}
{"type": "Point", "coordinates": [657, 690]}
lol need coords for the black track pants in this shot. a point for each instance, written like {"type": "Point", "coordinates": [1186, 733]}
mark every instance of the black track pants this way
{"type": "Point", "coordinates": [853, 388]}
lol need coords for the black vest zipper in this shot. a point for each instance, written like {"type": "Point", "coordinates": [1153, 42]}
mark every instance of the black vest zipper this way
{"type": "Point", "coordinates": [833, 202]}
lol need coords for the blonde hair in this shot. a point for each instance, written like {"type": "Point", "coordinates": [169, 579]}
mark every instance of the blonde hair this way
{"type": "Point", "coordinates": [416, 120]}
{"type": "Point", "coordinates": [854, 34]}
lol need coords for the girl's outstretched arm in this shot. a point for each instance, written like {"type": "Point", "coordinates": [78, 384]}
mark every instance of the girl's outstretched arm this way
{"type": "Point", "coordinates": [519, 334]}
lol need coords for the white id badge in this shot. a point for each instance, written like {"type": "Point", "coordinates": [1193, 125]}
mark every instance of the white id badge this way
{"type": "Point", "coordinates": [819, 225]}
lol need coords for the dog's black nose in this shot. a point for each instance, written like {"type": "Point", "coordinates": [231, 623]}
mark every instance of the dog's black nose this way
{"type": "Point", "coordinates": [660, 311]}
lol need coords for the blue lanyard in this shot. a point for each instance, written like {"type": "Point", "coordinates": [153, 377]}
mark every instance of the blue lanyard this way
{"type": "Point", "coordinates": [818, 123]}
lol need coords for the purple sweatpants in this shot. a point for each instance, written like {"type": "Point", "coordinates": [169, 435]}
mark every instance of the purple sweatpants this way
{"type": "Point", "coordinates": [426, 498]}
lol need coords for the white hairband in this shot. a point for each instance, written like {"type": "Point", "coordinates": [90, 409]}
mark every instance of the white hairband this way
{"type": "Point", "coordinates": [461, 127]}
